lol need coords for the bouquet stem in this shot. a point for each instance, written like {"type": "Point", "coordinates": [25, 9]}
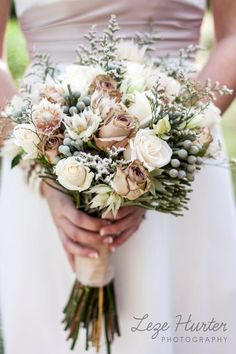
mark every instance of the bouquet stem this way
{"type": "Point", "coordinates": [86, 307]}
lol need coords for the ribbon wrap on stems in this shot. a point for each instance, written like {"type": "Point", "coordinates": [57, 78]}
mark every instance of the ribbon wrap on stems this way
{"type": "Point", "coordinates": [92, 300]}
{"type": "Point", "coordinates": [95, 272]}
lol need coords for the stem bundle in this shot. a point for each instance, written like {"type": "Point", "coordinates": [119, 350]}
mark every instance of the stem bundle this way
{"type": "Point", "coordinates": [86, 308]}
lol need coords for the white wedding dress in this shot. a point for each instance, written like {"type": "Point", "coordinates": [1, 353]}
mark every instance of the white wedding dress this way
{"type": "Point", "coordinates": [171, 266]}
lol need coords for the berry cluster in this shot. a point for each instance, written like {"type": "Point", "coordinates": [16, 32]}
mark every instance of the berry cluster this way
{"type": "Point", "coordinates": [186, 161]}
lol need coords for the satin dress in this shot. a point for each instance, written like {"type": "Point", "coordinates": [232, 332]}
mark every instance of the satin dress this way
{"type": "Point", "coordinates": [170, 267]}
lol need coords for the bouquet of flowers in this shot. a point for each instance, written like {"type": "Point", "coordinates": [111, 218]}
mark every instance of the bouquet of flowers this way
{"type": "Point", "coordinates": [115, 128]}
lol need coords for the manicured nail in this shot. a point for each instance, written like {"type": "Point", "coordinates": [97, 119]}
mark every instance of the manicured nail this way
{"type": "Point", "coordinates": [113, 248]}
{"type": "Point", "coordinates": [102, 232]}
{"type": "Point", "coordinates": [108, 240]}
{"type": "Point", "coordinates": [93, 255]}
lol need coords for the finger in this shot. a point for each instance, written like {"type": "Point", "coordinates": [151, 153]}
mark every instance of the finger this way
{"type": "Point", "coordinates": [123, 237]}
{"type": "Point", "coordinates": [122, 224]}
{"type": "Point", "coordinates": [77, 234]}
{"type": "Point", "coordinates": [123, 212]}
{"type": "Point", "coordinates": [85, 221]}
{"type": "Point", "coordinates": [76, 249]}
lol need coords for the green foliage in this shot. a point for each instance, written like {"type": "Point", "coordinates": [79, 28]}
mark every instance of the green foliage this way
{"type": "Point", "coordinates": [16, 160]}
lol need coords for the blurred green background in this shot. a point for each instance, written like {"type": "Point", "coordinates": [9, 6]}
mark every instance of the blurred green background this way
{"type": "Point", "coordinates": [17, 59]}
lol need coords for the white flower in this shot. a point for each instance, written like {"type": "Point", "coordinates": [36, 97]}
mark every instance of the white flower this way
{"type": "Point", "coordinates": [26, 137]}
{"type": "Point", "coordinates": [169, 84]}
{"type": "Point", "coordinates": [79, 77]}
{"type": "Point", "coordinates": [103, 103]}
{"type": "Point", "coordinates": [16, 105]}
{"type": "Point", "coordinates": [209, 117]}
{"type": "Point", "coordinates": [134, 79]}
{"type": "Point", "coordinates": [52, 91]}
{"type": "Point", "coordinates": [162, 126]}
{"type": "Point", "coordinates": [152, 151]}
{"type": "Point", "coordinates": [72, 175]}
{"type": "Point", "coordinates": [106, 198]}
{"type": "Point", "coordinates": [128, 50]}
{"type": "Point", "coordinates": [10, 149]}
{"type": "Point", "coordinates": [141, 109]}
{"type": "Point", "coordinates": [83, 125]}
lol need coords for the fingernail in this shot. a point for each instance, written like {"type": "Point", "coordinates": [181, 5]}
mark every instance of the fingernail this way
{"type": "Point", "coordinates": [102, 232]}
{"type": "Point", "coordinates": [93, 255]}
{"type": "Point", "coordinates": [108, 240]}
{"type": "Point", "coordinates": [113, 249]}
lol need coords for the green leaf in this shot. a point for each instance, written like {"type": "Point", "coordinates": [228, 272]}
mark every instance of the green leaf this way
{"type": "Point", "coordinates": [16, 160]}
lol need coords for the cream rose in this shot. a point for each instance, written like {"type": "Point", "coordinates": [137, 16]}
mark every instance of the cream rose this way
{"type": "Point", "coordinates": [141, 108]}
{"type": "Point", "coordinates": [79, 77]}
{"type": "Point", "coordinates": [168, 84]}
{"type": "Point", "coordinates": [52, 91]}
{"type": "Point", "coordinates": [72, 175]}
{"type": "Point", "coordinates": [152, 151]}
{"type": "Point", "coordinates": [132, 181]}
{"type": "Point", "coordinates": [134, 79]}
{"type": "Point", "coordinates": [26, 137]}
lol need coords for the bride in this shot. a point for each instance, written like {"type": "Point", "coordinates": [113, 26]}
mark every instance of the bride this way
{"type": "Point", "coordinates": [173, 273]}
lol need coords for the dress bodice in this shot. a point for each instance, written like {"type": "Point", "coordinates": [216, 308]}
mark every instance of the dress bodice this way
{"type": "Point", "coordinates": [57, 26]}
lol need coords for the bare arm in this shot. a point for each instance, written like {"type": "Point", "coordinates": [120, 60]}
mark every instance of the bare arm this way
{"type": "Point", "coordinates": [221, 65]}
{"type": "Point", "coordinates": [7, 87]}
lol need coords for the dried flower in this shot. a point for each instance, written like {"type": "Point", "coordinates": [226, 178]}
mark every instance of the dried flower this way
{"type": "Point", "coordinates": [116, 130]}
{"type": "Point", "coordinates": [132, 181]}
{"type": "Point", "coordinates": [47, 117]}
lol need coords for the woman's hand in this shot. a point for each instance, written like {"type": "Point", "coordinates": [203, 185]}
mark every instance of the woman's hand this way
{"type": "Point", "coordinates": [123, 226]}
{"type": "Point", "coordinates": [79, 232]}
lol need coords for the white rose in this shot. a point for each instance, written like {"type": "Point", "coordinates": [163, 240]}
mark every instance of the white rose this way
{"type": "Point", "coordinates": [209, 117]}
{"type": "Point", "coordinates": [79, 77]}
{"type": "Point", "coordinates": [152, 151]}
{"type": "Point", "coordinates": [134, 79]}
{"type": "Point", "coordinates": [141, 108]}
{"type": "Point", "coordinates": [169, 84]}
{"type": "Point", "coordinates": [26, 137]}
{"type": "Point", "coordinates": [72, 175]}
{"type": "Point", "coordinates": [128, 50]}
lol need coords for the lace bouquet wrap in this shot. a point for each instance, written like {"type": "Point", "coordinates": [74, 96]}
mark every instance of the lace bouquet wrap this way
{"type": "Point", "coordinates": [115, 128]}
